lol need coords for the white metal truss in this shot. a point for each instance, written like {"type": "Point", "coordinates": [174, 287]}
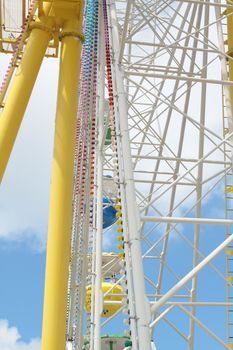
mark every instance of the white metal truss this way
{"type": "Point", "coordinates": [173, 62]}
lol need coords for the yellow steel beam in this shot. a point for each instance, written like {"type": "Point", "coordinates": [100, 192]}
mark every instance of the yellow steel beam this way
{"type": "Point", "coordinates": [58, 246]}
{"type": "Point", "coordinates": [40, 7]}
{"type": "Point", "coordinates": [1, 47]}
{"type": "Point", "coordinates": [21, 89]}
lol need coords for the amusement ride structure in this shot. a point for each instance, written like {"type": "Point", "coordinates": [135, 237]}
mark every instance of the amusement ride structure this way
{"type": "Point", "coordinates": [143, 156]}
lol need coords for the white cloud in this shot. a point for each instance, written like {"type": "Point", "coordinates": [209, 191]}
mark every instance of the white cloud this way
{"type": "Point", "coordinates": [24, 192]}
{"type": "Point", "coordinates": [10, 339]}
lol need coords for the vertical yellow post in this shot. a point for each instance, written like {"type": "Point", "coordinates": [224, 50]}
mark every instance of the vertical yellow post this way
{"type": "Point", "coordinates": [21, 89]}
{"type": "Point", "coordinates": [58, 246]}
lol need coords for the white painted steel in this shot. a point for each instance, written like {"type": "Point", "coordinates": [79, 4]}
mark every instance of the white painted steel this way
{"type": "Point", "coordinates": [133, 226]}
{"type": "Point", "coordinates": [98, 297]}
{"type": "Point", "coordinates": [190, 275]}
{"type": "Point", "coordinates": [170, 83]}
{"type": "Point", "coordinates": [184, 220]}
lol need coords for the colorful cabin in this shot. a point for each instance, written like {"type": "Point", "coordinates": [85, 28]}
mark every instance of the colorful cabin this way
{"type": "Point", "coordinates": [109, 212]}
{"type": "Point", "coordinates": [111, 342]}
{"type": "Point", "coordinates": [112, 302]}
{"type": "Point", "coordinates": [108, 139]}
{"type": "Point", "coordinates": [110, 191]}
{"type": "Point", "coordinates": [114, 342]}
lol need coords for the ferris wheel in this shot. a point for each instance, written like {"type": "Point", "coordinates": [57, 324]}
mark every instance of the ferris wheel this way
{"type": "Point", "coordinates": [140, 244]}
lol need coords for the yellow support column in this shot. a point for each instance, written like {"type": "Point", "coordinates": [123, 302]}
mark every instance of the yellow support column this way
{"type": "Point", "coordinates": [58, 247]}
{"type": "Point", "coordinates": [21, 89]}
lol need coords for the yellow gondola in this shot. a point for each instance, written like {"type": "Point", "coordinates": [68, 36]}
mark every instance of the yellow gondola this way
{"type": "Point", "coordinates": [112, 301]}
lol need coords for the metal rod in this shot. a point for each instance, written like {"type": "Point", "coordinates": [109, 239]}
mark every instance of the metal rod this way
{"type": "Point", "coordinates": [191, 274]}
{"type": "Point", "coordinates": [211, 334]}
{"type": "Point", "coordinates": [141, 302]}
{"type": "Point", "coordinates": [181, 78]}
{"type": "Point", "coordinates": [99, 217]}
{"type": "Point", "coordinates": [183, 220]}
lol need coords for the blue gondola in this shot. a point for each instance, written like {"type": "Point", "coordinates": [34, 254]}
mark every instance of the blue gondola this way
{"type": "Point", "coordinates": [109, 212]}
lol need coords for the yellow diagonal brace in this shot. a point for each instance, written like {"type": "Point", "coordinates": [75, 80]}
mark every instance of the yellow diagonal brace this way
{"type": "Point", "coordinates": [58, 247]}
{"type": "Point", "coordinates": [20, 93]}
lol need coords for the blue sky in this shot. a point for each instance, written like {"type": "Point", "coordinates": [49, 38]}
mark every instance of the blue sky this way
{"type": "Point", "coordinates": [24, 202]}
{"type": "Point", "coordinates": [22, 276]}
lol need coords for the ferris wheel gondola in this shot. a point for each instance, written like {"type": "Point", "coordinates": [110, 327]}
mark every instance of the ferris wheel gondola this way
{"type": "Point", "coordinates": [109, 201]}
